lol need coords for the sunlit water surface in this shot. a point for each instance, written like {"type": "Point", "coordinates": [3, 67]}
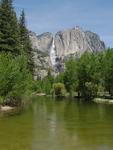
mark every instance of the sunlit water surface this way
{"type": "Point", "coordinates": [59, 125]}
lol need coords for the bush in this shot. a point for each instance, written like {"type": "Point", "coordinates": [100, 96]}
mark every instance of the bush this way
{"type": "Point", "coordinates": [59, 89]}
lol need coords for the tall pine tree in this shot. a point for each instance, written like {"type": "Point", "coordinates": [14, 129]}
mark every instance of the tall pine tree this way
{"type": "Point", "coordinates": [25, 41]}
{"type": "Point", "coordinates": [9, 29]}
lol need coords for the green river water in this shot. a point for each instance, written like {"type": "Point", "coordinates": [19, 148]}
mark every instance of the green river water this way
{"type": "Point", "coordinates": [59, 125]}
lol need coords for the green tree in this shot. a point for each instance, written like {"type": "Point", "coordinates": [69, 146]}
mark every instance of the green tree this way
{"type": "Point", "coordinates": [9, 28]}
{"type": "Point", "coordinates": [47, 82]}
{"type": "Point", "coordinates": [25, 41]}
{"type": "Point", "coordinates": [86, 75]}
{"type": "Point", "coordinates": [15, 78]}
{"type": "Point", "coordinates": [79, 73]}
{"type": "Point", "coordinates": [108, 71]}
{"type": "Point", "coordinates": [70, 75]}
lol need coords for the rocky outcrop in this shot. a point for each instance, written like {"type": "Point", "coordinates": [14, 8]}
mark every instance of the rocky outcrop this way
{"type": "Point", "coordinates": [50, 51]}
{"type": "Point", "coordinates": [41, 64]}
{"type": "Point", "coordinates": [41, 42]}
{"type": "Point", "coordinates": [94, 41]}
{"type": "Point", "coordinates": [77, 41]}
{"type": "Point", "coordinates": [41, 48]}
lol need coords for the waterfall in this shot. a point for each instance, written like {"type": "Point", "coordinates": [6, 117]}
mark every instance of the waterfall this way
{"type": "Point", "coordinates": [53, 54]}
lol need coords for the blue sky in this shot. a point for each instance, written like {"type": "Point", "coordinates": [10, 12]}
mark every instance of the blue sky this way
{"type": "Point", "coordinates": [55, 15]}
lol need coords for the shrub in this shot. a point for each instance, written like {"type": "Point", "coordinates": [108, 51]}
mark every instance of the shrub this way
{"type": "Point", "coordinates": [59, 89]}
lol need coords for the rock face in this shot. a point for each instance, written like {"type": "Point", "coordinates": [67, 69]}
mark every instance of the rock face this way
{"type": "Point", "coordinates": [94, 41]}
{"type": "Point", "coordinates": [50, 51]}
{"type": "Point", "coordinates": [77, 41]}
{"type": "Point", "coordinates": [41, 45]}
{"type": "Point", "coordinates": [41, 42]}
{"type": "Point", "coordinates": [42, 64]}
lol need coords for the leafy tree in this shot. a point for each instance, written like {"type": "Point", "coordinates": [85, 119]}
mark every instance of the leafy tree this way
{"type": "Point", "coordinates": [108, 71]}
{"type": "Point", "coordinates": [70, 75]}
{"type": "Point", "coordinates": [45, 84]}
{"type": "Point", "coordinates": [83, 75]}
{"type": "Point", "coordinates": [15, 79]}
{"type": "Point", "coordinates": [90, 90]}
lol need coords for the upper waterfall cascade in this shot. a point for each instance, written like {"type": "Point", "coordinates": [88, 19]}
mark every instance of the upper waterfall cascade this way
{"type": "Point", "coordinates": [53, 54]}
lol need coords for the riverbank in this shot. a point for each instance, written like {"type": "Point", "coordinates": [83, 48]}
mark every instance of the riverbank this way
{"type": "Point", "coordinates": [103, 101]}
{"type": "Point", "coordinates": [14, 106]}
{"type": "Point", "coordinates": [6, 108]}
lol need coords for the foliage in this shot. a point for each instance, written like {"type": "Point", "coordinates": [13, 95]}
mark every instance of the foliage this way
{"type": "Point", "coordinates": [90, 90]}
{"type": "Point", "coordinates": [85, 75]}
{"type": "Point", "coordinates": [89, 75]}
{"type": "Point", "coordinates": [15, 78]}
{"type": "Point", "coordinates": [9, 28]}
{"type": "Point", "coordinates": [44, 85]}
{"type": "Point", "coordinates": [25, 41]}
{"type": "Point", "coordinates": [70, 76]}
{"type": "Point", "coordinates": [59, 89]}
{"type": "Point", "coordinates": [108, 71]}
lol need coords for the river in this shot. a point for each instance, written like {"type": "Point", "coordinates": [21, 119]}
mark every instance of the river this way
{"type": "Point", "coordinates": [59, 125]}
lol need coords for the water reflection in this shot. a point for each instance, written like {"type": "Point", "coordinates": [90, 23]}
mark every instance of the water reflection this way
{"type": "Point", "coordinates": [59, 125]}
{"type": "Point", "coordinates": [16, 132]}
{"type": "Point", "coordinates": [69, 125]}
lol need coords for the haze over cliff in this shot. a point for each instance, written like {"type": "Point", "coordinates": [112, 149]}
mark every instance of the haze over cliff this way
{"type": "Point", "coordinates": [54, 49]}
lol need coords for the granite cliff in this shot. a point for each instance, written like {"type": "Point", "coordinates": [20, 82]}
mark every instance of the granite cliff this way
{"type": "Point", "coordinates": [51, 51]}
